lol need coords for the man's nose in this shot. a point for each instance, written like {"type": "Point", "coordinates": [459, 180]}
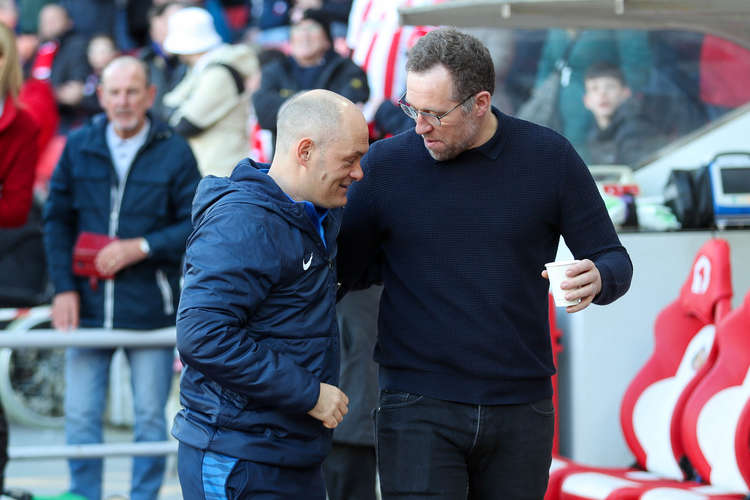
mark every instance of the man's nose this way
{"type": "Point", "coordinates": [121, 99]}
{"type": "Point", "coordinates": [357, 173]}
{"type": "Point", "coordinates": [422, 125]}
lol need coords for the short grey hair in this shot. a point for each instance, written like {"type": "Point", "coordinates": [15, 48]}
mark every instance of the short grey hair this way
{"type": "Point", "coordinates": [315, 114]}
{"type": "Point", "coordinates": [126, 61]}
{"type": "Point", "coordinates": [464, 56]}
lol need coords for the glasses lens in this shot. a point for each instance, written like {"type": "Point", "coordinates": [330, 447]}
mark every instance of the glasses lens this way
{"type": "Point", "coordinates": [410, 111]}
{"type": "Point", "coordinates": [433, 120]}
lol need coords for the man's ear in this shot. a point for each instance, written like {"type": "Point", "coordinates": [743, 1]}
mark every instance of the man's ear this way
{"type": "Point", "coordinates": [483, 101]}
{"type": "Point", "coordinates": [303, 151]}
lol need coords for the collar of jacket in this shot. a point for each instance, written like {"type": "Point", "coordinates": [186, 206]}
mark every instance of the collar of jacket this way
{"type": "Point", "coordinates": [96, 139]}
{"type": "Point", "coordinates": [9, 113]}
{"type": "Point", "coordinates": [259, 189]}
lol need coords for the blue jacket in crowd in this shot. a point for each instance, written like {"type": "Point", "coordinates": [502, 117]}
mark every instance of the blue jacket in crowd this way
{"type": "Point", "coordinates": [154, 202]}
{"type": "Point", "coordinates": [256, 327]}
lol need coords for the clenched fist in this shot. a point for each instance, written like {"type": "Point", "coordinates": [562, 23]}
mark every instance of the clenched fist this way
{"type": "Point", "coordinates": [331, 406]}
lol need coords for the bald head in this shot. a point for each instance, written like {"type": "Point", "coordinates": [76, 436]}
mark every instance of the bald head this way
{"type": "Point", "coordinates": [321, 137]}
{"type": "Point", "coordinates": [125, 64]}
{"type": "Point", "coordinates": [125, 94]}
{"type": "Point", "coordinates": [316, 114]}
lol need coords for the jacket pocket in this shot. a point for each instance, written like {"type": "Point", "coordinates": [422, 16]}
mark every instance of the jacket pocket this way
{"type": "Point", "coordinates": [166, 292]}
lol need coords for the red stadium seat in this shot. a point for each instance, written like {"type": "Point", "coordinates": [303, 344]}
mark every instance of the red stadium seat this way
{"type": "Point", "coordinates": [652, 406]}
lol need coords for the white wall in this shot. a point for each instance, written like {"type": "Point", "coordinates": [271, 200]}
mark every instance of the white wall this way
{"type": "Point", "coordinates": [604, 346]}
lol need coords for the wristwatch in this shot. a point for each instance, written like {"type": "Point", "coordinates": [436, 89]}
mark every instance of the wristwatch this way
{"type": "Point", "coordinates": [144, 246]}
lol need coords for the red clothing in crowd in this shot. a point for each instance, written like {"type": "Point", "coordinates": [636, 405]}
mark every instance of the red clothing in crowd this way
{"type": "Point", "coordinates": [38, 100]}
{"type": "Point", "coordinates": [724, 73]}
{"type": "Point", "coordinates": [18, 143]}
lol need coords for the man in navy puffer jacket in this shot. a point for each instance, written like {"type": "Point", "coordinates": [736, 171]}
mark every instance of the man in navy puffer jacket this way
{"type": "Point", "coordinates": [256, 326]}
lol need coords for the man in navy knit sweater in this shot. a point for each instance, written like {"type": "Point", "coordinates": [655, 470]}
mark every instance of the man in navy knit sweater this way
{"type": "Point", "coordinates": [460, 214]}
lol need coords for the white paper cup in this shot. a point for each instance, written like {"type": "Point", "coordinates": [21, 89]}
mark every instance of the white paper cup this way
{"type": "Point", "coordinates": [556, 274]}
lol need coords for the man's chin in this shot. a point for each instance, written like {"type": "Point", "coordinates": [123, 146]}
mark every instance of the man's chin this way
{"type": "Point", "coordinates": [441, 155]}
{"type": "Point", "coordinates": [126, 127]}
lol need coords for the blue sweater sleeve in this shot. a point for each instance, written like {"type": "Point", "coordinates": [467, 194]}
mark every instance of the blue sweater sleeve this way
{"type": "Point", "coordinates": [588, 230]}
{"type": "Point", "coordinates": [229, 270]}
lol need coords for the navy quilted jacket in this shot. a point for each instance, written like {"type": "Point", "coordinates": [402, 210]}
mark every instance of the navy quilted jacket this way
{"type": "Point", "coordinates": [256, 326]}
{"type": "Point", "coordinates": [154, 202]}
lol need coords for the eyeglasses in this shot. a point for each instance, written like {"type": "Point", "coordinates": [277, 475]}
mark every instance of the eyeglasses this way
{"type": "Point", "coordinates": [432, 118]}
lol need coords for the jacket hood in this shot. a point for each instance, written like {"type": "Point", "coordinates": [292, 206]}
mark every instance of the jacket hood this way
{"type": "Point", "coordinates": [247, 184]}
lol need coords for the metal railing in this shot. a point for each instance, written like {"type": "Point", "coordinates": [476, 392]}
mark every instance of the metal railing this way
{"type": "Point", "coordinates": [21, 337]}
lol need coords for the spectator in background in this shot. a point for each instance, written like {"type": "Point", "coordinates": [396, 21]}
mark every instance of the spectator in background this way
{"type": "Point", "coordinates": [210, 105]}
{"type": "Point", "coordinates": [273, 22]}
{"type": "Point", "coordinates": [8, 13]}
{"type": "Point", "coordinates": [92, 17]}
{"type": "Point", "coordinates": [672, 97]}
{"type": "Point", "coordinates": [335, 12]}
{"type": "Point", "coordinates": [628, 49]}
{"type": "Point", "coordinates": [125, 175]}
{"type": "Point", "coordinates": [18, 139]}
{"type": "Point", "coordinates": [37, 99]}
{"type": "Point", "coordinates": [28, 15]}
{"type": "Point", "coordinates": [349, 469]}
{"type": "Point", "coordinates": [165, 70]}
{"type": "Point", "coordinates": [391, 120]}
{"type": "Point", "coordinates": [25, 41]}
{"type": "Point", "coordinates": [621, 134]}
{"type": "Point", "coordinates": [69, 68]}
{"type": "Point", "coordinates": [100, 52]}
{"type": "Point", "coordinates": [527, 49]}
{"type": "Point", "coordinates": [312, 64]}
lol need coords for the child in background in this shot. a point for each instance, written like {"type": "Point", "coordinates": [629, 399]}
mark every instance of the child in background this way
{"type": "Point", "coordinates": [622, 134]}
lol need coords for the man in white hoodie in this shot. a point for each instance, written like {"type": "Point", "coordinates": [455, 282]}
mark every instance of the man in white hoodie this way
{"type": "Point", "coordinates": [210, 103]}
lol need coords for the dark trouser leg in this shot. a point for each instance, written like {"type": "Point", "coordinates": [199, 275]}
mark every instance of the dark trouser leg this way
{"type": "Point", "coordinates": [206, 475]}
{"type": "Point", "coordinates": [431, 449]}
{"type": "Point", "coordinates": [349, 472]}
{"type": "Point", "coordinates": [513, 452]}
{"type": "Point", "coordinates": [421, 447]}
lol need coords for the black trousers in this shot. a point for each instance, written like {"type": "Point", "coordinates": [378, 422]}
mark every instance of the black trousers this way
{"type": "Point", "coordinates": [349, 472]}
{"type": "Point", "coordinates": [440, 450]}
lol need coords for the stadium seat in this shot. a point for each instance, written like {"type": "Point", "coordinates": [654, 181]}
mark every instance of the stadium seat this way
{"type": "Point", "coordinates": [652, 406]}
{"type": "Point", "coordinates": [716, 422]}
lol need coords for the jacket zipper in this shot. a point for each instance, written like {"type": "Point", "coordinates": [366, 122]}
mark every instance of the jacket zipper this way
{"type": "Point", "coordinates": [166, 291]}
{"type": "Point", "coordinates": [115, 192]}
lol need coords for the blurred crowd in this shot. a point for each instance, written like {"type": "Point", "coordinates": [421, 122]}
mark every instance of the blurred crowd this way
{"type": "Point", "coordinates": [675, 81]}
{"type": "Point", "coordinates": [223, 68]}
